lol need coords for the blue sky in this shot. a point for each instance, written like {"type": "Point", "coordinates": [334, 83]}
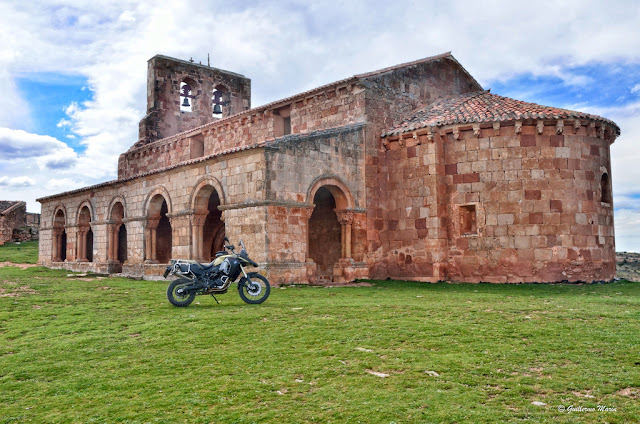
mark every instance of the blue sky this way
{"type": "Point", "coordinates": [75, 74]}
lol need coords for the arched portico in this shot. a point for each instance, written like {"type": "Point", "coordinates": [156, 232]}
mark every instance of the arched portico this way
{"type": "Point", "coordinates": [117, 233]}
{"type": "Point", "coordinates": [207, 225]}
{"type": "Point", "coordinates": [84, 233]}
{"type": "Point", "coordinates": [158, 234]}
{"type": "Point", "coordinates": [59, 236]}
{"type": "Point", "coordinates": [329, 226]}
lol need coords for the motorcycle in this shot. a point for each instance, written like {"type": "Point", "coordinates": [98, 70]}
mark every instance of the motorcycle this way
{"type": "Point", "coordinates": [215, 278]}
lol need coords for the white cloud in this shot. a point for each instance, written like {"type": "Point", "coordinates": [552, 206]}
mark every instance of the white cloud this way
{"type": "Point", "coordinates": [635, 89]}
{"type": "Point", "coordinates": [19, 144]}
{"type": "Point", "coordinates": [17, 181]}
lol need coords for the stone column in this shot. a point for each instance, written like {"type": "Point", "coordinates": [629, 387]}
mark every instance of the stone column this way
{"type": "Point", "coordinates": [345, 218]}
{"type": "Point", "coordinates": [81, 244]}
{"type": "Point", "coordinates": [150, 237]}
{"type": "Point", "coordinates": [57, 237]}
{"type": "Point", "coordinates": [113, 230]}
{"type": "Point", "coordinates": [197, 235]}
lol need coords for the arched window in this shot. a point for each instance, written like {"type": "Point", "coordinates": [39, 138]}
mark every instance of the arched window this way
{"type": "Point", "coordinates": [605, 188]}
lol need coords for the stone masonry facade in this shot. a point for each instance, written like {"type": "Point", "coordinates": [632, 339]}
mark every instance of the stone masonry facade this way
{"type": "Point", "coordinates": [410, 172]}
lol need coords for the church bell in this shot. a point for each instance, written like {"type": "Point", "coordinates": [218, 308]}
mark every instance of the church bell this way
{"type": "Point", "coordinates": [217, 109]}
{"type": "Point", "coordinates": [185, 103]}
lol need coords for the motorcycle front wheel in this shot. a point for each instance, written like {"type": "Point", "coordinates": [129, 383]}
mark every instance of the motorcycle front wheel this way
{"type": "Point", "coordinates": [176, 295]}
{"type": "Point", "coordinates": [255, 289]}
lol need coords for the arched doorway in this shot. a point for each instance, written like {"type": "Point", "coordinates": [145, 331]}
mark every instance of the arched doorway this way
{"type": "Point", "coordinates": [159, 237]}
{"type": "Point", "coordinates": [208, 228]}
{"type": "Point", "coordinates": [117, 235]}
{"type": "Point", "coordinates": [84, 242]}
{"type": "Point", "coordinates": [59, 242]}
{"type": "Point", "coordinates": [325, 247]}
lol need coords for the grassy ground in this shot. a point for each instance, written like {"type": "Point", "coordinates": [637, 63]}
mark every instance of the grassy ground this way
{"type": "Point", "coordinates": [114, 350]}
{"type": "Point", "coordinates": [19, 253]}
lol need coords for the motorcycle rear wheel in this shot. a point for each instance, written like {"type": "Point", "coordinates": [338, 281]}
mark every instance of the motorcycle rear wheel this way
{"type": "Point", "coordinates": [176, 297]}
{"type": "Point", "coordinates": [254, 290]}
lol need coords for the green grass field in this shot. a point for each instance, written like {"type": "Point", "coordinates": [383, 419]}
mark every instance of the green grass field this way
{"type": "Point", "coordinates": [20, 253]}
{"type": "Point", "coordinates": [112, 350]}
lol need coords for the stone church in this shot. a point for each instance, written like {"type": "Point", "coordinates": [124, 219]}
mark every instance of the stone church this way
{"type": "Point", "coordinates": [409, 172]}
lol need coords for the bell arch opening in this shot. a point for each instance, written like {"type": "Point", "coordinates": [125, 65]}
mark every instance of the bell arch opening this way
{"type": "Point", "coordinates": [187, 95]}
{"type": "Point", "coordinates": [220, 100]}
{"type": "Point", "coordinates": [325, 246]}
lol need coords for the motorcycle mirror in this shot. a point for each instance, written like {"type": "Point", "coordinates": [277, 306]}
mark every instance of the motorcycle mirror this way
{"type": "Point", "coordinates": [226, 239]}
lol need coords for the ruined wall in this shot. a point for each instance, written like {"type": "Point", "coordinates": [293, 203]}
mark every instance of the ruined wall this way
{"type": "Point", "coordinates": [389, 97]}
{"type": "Point", "coordinates": [14, 217]}
{"type": "Point", "coordinates": [536, 198]}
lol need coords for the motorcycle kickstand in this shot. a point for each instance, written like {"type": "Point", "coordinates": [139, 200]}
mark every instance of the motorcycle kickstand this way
{"type": "Point", "coordinates": [215, 298]}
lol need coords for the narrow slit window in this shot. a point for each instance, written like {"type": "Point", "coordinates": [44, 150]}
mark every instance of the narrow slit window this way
{"type": "Point", "coordinates": [468, 220]}
{"type": "Point", "coordinates": [605, 188]}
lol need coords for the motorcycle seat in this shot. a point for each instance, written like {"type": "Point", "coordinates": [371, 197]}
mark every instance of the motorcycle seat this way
{"type": "Point", "coordinates": [203, 267]}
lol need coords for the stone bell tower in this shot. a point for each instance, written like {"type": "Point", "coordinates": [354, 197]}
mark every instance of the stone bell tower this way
{"type": "Point", "coordinates": [182, 95]}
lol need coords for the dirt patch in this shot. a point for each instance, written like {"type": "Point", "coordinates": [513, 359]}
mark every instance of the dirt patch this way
{"type": "Point", "coordinates": [21, 266]}
{"type": "Point", "coordinates": [632, 392]}
{"type": "Point", "coordinates": [17, 291]}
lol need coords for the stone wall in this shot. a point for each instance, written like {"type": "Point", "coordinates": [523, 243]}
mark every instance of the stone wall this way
{"type": "Point", "coordinates": [323, 110]}
{"type": "Point", "coordinates": [389, 97]}
{"type": "Point", "coordinates": [521, 203]}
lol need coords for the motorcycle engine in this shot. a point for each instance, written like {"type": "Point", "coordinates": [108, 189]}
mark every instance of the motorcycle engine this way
{"type": "Point", "coordinates": [213, 280]}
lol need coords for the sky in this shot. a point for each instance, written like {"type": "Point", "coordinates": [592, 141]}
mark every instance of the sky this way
{"type": "Point", "coordinates": [74, 71]}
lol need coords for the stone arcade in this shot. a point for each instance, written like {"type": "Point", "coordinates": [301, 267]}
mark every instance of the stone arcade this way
{"type": "Point", "coordinates": [409, 172]}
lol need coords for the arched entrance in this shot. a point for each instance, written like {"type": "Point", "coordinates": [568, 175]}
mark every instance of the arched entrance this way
{"type": "Point", "coordinates": [325, 247]}
{"type": "Point", "coordinates": [330, 229]}
{"type": "Point", "coordinates": [59, 241]}
{"type": "Point", "coordinates": [208, 227]}
{"type": "Point", "coordinates": [159, 238]}
{"type": "Point", "coordinates": [117, 235]}
{"type": "Point", "coordinates": [84, 239]}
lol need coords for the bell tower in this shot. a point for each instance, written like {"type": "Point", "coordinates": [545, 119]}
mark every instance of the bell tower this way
{"type": "Point", "coordinates": [182, 95]}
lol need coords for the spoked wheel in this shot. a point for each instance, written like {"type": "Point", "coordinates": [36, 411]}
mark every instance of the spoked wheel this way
{"type": "Point", "coordinates": [177, 295]}
{"type": "Point", "coordinates": [255, 289]}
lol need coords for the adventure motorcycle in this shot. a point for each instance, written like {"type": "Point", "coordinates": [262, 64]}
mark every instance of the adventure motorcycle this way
{"type": "Point", "coordinates": [216, 277]}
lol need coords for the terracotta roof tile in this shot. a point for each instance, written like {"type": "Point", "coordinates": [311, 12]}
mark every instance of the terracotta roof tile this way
{"type": "Point", "coordinates": [483, 106]}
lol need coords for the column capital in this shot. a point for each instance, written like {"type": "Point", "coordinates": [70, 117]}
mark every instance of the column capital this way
{"type": "Point", "coordinates": [199, 218]}
{"type": "Point", "coordinates": [152, 223]}
{"type": "Point", "coordinates": [344, 216]}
